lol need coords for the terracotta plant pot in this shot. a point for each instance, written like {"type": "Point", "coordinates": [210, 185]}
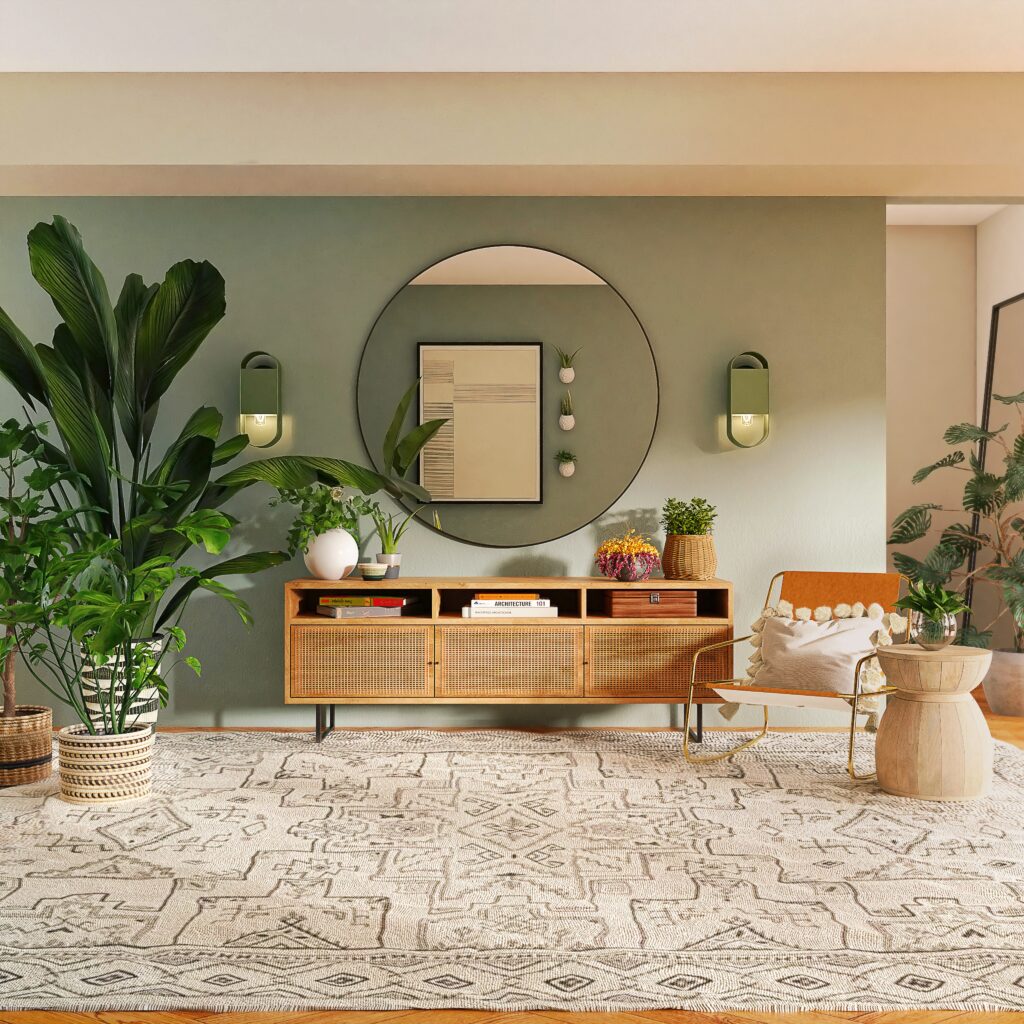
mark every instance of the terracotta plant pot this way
{"type": "Point", "coordinates": [26, 745]}
{"type": "Point", "coordinates": [689, 557]}
{"type": "Point", "coordinates": [1004, 684]}
{"type": "Point", "coordinates": [105, 769]}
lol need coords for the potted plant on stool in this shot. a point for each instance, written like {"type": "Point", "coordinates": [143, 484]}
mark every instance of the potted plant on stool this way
{"type": "Point", "coordinates": [933, 611]}
{"type": "Point", "coordinates": [689, 547]}
{"type": "Point", "coordinates": [988, 527]}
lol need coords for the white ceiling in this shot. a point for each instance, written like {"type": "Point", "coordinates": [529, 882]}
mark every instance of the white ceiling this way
{"type": "Point", "coordinates": [939, 214]}
{"type": "Point", "coordinates": [512, 35]}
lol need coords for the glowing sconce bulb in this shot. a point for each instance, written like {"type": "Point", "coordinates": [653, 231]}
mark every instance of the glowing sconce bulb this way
{"type": "Point", "coordinates": [745, 418]}
{"type": "Point", "coordinates": [259, 399]}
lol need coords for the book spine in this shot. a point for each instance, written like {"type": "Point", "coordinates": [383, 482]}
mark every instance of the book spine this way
{"type": "Point", "coordinates": [359, 613]}
{"type": "Point", "coordinates": [364, 602]}
{"type": "Point", "coordinates": [509, 613]}
{"type": "Point", "coordinates": [539, 603]}
{"type": "Point", "coordinates": [520, 596]}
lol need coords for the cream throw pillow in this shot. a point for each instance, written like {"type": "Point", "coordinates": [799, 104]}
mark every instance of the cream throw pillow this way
{"type": "Point", "coordinates": [798, 654]}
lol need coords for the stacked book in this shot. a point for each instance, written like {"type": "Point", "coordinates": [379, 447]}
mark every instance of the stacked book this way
{"type": "Point", "coordinates": [509, 606]}
{"type": "Point", "coordinates": [365, 606]}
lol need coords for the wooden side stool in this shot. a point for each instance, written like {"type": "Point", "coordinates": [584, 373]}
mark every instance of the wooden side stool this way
{"type": "Point", "coordinates": [933, 741]}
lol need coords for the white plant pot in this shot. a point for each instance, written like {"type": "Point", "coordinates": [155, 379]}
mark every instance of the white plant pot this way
{"type": "Point", "coordinates": [566, 374]}
{"type": "Point", "coordinates": [332, 555]}
{"type": "Point", "coordinates": [566, 422]}
{"type": "Point", "coordinates": [393, 562]}
{"type": "Point", "coordinates": [567, 468]}
{"type": "Point", "coordinates": [1004, 684]}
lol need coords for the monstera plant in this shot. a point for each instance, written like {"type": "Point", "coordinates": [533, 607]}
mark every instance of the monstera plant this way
{"type": "Point", "coordinates": [989, 524]}
{"type": "Point", "coordinates": [100, 382]}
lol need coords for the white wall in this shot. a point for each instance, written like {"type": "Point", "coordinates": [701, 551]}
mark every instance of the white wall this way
{"type": "Point", "coordinates": [930, 359]}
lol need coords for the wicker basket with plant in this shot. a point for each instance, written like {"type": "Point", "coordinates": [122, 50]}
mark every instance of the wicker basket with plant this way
{"type": "Point", "coordinates": [689, 547]}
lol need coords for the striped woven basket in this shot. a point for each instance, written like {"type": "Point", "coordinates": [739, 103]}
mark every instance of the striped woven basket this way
{"type": "Point", "coordinates": [105, 769]}
{"type": "Point", "coordinates": [99, 688]}
{"type": "Point", "coordinates": [26, 745]}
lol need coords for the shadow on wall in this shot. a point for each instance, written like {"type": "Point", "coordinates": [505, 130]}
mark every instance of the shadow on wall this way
{"type": "Point", "coordinates": [533, 565]}
{"type": "Point", "coordinates": [646, 521]}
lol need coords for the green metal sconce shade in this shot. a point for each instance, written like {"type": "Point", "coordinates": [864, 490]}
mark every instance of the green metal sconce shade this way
{"type": "Point", "coordinates": [749, 405]}
{"type": "Point", "coordinates": [259, 399]}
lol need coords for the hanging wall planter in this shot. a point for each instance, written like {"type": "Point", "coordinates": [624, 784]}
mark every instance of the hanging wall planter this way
{"type": "Point", "coordinates": [567, 420]}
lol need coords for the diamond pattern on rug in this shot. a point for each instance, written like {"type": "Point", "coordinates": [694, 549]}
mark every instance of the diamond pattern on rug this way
{"type": "Point", "coordinates": [510, 871]}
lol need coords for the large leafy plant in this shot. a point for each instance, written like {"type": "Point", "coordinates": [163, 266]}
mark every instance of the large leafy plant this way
{"type": "Point", "coordinates": [101, 381]}
{"type": "Point", "coordinates": [988, 524]}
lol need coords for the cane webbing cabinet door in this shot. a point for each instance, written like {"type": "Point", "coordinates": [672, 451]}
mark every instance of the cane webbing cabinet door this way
{"type": "Point", "coordinates": [509, 661]}
{"type": "Point", "coordinates": [648, 661]}
{"type": "Point", "coordinates": [361, 661]}
{"type": "Point", "coordinates": [597, 650]}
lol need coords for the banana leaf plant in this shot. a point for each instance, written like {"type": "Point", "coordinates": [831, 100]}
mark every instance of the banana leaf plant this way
{"type": "Point", "coordinates": [100, 382]}
{"type": "Point", "coordinates": [987, 527]}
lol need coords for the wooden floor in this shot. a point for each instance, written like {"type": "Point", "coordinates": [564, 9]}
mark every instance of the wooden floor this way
{"type": "Point", "coordinates": [1011, 730]}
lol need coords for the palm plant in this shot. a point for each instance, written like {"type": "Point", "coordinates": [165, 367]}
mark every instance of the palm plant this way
{"type": "Point", "coordinates": [101, 381]}
{"type": "Point", "coordinates": [989, 522]}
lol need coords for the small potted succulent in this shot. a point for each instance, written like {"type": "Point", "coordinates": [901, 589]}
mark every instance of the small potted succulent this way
{"type": "Point", "coordinates": [629, 558]}
{"type": "Point", "coordinates": [566, 370]}
{"type": "Point", "coordinates": [689, 547]}
{"type": "Point", "coordinates": [390, 529]}
{"type": "Point", "coordinates": [566, 462]}
{"type": "Point", "coordinates": [933, 611]}
{"type": "Point", "coordinates": [325, 528]}
{"type": "Point", "coordinates": [566, 421]}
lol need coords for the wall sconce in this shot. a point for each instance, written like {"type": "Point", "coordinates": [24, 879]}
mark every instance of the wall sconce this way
{"type": "Point", "coordinates": [259, 399]}
{"type": "Point", "coordinates": [747, 422]}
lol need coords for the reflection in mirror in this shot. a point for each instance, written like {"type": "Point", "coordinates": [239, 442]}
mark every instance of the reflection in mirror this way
{"type": "Point", "coordinates": [1004, 375]}
{"type": "Point", "coordinates": [482, 329]}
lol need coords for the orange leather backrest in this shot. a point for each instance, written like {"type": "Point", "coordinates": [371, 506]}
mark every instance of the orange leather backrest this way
{"type": "Point", "coordinates": [811, 589]}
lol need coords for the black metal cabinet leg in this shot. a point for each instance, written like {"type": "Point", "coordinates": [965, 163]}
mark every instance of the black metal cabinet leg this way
{"type": "Point", "coordinates": [323, 730]}
{"type": "Point", "coordinates": [697, 735]}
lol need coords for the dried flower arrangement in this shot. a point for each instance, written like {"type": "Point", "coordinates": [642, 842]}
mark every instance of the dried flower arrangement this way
{"type": "Point", "coordinates": [629, 558]}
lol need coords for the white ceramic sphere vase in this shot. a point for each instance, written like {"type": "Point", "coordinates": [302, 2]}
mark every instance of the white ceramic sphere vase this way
{"type": "Point", "coordinates": [332, 555]}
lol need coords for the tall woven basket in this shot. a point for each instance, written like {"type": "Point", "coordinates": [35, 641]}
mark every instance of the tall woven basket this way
{"type": "Point", "coordinates": [26, 745]}
{"type": "Point", "coordinates": [105, 769]}
{"type": "Point", "coordinates": [689, 557]}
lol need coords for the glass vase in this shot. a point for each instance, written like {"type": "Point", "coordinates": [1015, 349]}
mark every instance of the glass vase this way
{"type": "Point", "coordinates": [932, 634]}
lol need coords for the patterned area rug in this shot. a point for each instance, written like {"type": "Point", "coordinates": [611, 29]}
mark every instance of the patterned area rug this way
{"type": "Point", "coordinates": [509, 870]}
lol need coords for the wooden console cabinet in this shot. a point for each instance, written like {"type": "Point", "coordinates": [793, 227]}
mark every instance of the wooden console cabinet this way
{"type": "Point", "coordinates": [432, 655]}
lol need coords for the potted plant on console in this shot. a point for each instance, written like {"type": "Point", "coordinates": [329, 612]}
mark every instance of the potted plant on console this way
{"type": "Point", "coordinates": [630, 558]}
{"type": "Point", "coordinates": [325, 528]}
{"type": "Point", "coordinates": [988, 523]}
{"type": "Point", "coordinates": [689, 546]}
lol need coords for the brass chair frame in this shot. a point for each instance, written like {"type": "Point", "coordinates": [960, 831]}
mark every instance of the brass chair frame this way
{"type": "Point", "coordinates": [852, 698]}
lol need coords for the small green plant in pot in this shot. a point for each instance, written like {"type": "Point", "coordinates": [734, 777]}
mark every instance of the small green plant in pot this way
{"type": "Point", "coordinates": [566, 370]}
{"type": "Point", "coordinates": [390, 528]}
{"type": "Point", "coordinates": [689, 547]}
{"type": "Point", "coordinates": [566, 462]}
{"type": "Point", "coordinates": [933, 611]}
{"type": "Point", "coordinates": [567, 419]}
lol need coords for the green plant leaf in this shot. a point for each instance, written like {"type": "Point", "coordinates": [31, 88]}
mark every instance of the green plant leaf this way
{"type": "Point", "coordinates": [63, 269]}
{"type": "Point", "coordinates": [19, 362]}
{"type": "Point", "coordinates": [960, 537]}
{"type": "Point", "coordinates": [952, 459]}
{"type": "Point", "coordinates": [912, 524]}
{"type": "Point", "coordinates": [131, 306]}
{"type": "Point", "coordinates": [1017, 399]}
{"type": "Point", "coordinates": [983, 493]}
{"type": "Point", "coordinates": [293, 471]}
{"type": "Point", "coordinates": [395, 427]}
{"type": "Point", "coordinates": [413, 443]}
{"type": "Point", "coordinates": [960, 433]}
{"type": "Point", "coordinates": [230, 449]}
{"type": "Point", "coordinates": [242, 565]}
{"type": "Point", "coordinates": [186, 307]}
{"type": "Point", "coordinates": [80, 429]}
{"type": "Point", "coordinates": [936, 569]}
{"type": "Point", "coordinates": [971, 637]}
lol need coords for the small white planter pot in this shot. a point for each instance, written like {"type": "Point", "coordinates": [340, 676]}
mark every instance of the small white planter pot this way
{"type": "Point", "coordinates": [332, 555]}
{"type": "Point", "coordinates": [566, 374]}
{"type": "Point", "coordinates": [566, 422]}
{"type": "Point", "coordinates": [1004, 684]}
{"type": "Point", "coordinates": [567, 468]}
{"type": "Point", "coordinates": [393, 562]}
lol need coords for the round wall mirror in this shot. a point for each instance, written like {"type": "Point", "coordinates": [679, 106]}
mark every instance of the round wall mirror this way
{"type": "Point", "coordinates": [482, 331]}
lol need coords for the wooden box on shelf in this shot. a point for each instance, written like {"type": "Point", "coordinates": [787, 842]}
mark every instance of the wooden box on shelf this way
{"type": "Point", "coordinates": [431, 654]}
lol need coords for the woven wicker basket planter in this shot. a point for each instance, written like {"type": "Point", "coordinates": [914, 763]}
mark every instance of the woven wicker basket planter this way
{"type": "Point", "coordinates": [105, 769]}
{"type": "Point", "coordinates": [689, 557]}
{"type": "Point", "coordinates": [26, 745]}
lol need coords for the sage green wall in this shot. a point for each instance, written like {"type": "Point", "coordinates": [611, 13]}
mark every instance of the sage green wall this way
{"type": "Point", "coordinates": [800, 280]}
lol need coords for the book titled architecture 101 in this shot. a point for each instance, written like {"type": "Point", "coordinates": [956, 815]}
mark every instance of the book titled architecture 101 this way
{"type": "Point", "coordinates": [471, 612]}
{"type": "Point", "coordinates": [365, 601]}
{"type": "Point", "coordinates": [358, 613]}
{"type": "Point", "coordinates": [540, 602]}
{"type": "Point", "coordinates": [513, 595]}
